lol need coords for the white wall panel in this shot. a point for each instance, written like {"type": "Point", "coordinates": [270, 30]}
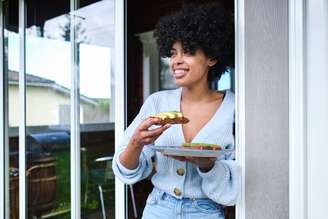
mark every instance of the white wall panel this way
{"type": "Point", "coordinates": [267, 128]}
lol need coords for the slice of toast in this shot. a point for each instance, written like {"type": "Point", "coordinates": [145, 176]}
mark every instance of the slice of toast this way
{"type": "Point", "coordinates": [170, 117]}
{"type": "Point", "coordinates": [202, 146]}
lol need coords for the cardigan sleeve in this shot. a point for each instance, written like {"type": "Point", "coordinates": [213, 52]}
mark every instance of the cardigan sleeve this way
{"type": "Point", "coordinates": [145, 166]}
{"type": "Point", "coordinates": [222, 183]}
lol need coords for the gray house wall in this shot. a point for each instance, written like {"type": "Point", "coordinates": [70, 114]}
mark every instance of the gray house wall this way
{"type": "Point", "coordinates": [266, 65]}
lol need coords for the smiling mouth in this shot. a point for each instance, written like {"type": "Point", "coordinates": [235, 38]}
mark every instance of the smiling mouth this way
{"type": "Point", "coordinates": [179, 73]}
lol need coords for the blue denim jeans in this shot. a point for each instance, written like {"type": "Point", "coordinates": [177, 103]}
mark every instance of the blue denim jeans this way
{"type": "Point", "coordinates": [161, 205]}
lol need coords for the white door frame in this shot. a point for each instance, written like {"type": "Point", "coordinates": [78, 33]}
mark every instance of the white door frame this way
{"type": "Point", "coordinates": [308, 114]}
{"type": "Point", "coordinates": [120, 103]}
{"type": "Point", "coordinates": [22, 111]}
{"type": "Point", "coordinates": [240, 101]}
{"type": "Point", "coordinates": [4, 151]}
{"type": "Point", "coordinates": [297, 107]}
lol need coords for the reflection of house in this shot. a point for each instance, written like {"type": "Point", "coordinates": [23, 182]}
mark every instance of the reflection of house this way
{"type": "Point", "coordinates": [48, 103]}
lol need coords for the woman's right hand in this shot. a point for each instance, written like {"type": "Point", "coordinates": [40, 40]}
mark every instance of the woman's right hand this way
{"type": "Point", "coordinates": [143, 135]}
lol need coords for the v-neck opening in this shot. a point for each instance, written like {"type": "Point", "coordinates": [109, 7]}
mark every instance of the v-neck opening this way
{"type": "Point", "coordinates": [218, 110]}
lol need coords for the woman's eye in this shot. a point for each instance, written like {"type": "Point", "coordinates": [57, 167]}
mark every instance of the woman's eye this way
{"type": "Point", "coordinates": [187, 53]}
{"type": "Point", "coordinates": [172, 53]}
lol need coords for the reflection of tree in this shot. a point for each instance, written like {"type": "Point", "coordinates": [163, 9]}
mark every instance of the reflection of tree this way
{"type": "Point", "coordinates": [166, 79]}
{"type": "Point", "coordinates": [6, 48]}
{"type": "Point", "coordinates": [104, 104]}
{"type": "Point", "coordinates": [79, 30]}
{"type": "Point", "coordinates": [97, 113]}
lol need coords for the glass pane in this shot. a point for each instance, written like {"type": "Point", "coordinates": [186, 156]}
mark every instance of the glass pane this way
{"type": "Point", "coordinates": [48, 78]}
{"type": "Point", "coordinates": [48, 87]}
{"type": "Point", "coordinates": [95, 39]}
{"type": "Point", "coordinates": [11, 55]}
{"type": "Point", "coordinates": [166, 79]}
{"type": "Point", "coordinates": [225, 82]}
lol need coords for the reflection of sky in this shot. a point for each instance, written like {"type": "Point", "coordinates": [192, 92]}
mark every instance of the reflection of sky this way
{"type": "Point", "coordinates": [225, 81]}
{"type": "Point", "coordinates": [50, 59]}
{"type": "Point", "coordinates": [97, 21]}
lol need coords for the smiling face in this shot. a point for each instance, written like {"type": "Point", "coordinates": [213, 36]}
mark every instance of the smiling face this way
{"type": "Point", "coordinates": [189, 69]}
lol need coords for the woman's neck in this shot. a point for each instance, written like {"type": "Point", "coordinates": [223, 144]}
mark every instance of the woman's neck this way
{"type": "Point", "coordinates": [196, 93]}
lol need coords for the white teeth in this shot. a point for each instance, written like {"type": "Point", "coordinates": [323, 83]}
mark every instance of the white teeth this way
{"type": "Point", "coordinates": [179, 71]}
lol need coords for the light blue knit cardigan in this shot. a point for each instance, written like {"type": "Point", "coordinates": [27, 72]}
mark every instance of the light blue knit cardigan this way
{"type": "Point", "coordinates": [220, 184]}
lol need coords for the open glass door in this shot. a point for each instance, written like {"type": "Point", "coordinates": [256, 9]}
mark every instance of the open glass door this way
{"type": "Point", "coordinates": [63, 66]}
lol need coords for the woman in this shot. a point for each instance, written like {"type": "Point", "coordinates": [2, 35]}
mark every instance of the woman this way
{"type": "Point", "coordinates": [199, 43]}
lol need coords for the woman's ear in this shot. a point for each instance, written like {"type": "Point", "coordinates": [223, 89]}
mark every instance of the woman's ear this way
{"type": "Point", "coordinates": [212, 62]}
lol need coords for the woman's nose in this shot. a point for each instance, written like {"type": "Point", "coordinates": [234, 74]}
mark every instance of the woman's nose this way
{"type": "Point", "coordinates": [178, 59]}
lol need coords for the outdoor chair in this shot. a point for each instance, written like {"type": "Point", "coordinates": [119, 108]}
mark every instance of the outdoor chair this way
{"type": "Point", "coordinates": [107, 175]}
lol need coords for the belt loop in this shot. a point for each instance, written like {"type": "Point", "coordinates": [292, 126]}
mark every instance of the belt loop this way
{"type": "Point", "coordinates": [159, 194]}
{"type": "Point", "coordinates": [162, 195]}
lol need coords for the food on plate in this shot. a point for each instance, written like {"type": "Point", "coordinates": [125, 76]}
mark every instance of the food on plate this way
{"type": "Point", "coordinates": [202, 146]}
{"type": "Point", "coordinates": [171, 117]}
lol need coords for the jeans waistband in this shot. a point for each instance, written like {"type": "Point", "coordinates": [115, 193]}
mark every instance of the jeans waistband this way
{"type": "Point", "coordinates": [161, 195]}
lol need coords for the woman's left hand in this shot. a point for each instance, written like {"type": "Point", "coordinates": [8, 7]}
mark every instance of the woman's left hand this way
{"type": "Point", "coordinates": [205, 164]}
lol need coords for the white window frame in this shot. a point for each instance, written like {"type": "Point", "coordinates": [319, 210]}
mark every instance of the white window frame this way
{"type": "Point", "coordinates": [297, 120]}
{"type": "Point", "coordinates": [120, 103]}
{"type": "Point", "coordinates": [4, 160]}
{"type": "Point", "coordinates": [240, 101]}
{"type": "Point", "coordinates": [75, 142]}
{"type": "Point", "coordinates": [22, 111]}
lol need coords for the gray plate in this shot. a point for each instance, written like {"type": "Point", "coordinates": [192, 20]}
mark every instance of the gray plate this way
{"type": "Point", "coordinates": [186, 152]}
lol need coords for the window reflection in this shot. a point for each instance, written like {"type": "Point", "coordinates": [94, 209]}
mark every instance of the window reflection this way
{"type": "Point", "coordinates": [48, 97]}
{"type": "Point", "coordinates": [11, 52]}
{"type": "Point", "coordinates": [95, 38]}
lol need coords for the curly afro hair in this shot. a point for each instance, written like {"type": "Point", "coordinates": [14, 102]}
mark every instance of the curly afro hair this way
{"type": "Point", "coordinates": [207, 27]}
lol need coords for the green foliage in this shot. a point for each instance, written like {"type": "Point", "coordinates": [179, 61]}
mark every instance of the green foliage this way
{"type": "Point", "coordinates": [90, 176]}
{"type": "Point", "coordinates": [104, 104]}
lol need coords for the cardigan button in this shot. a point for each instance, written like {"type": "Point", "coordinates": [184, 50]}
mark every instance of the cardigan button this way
{"type": "Point", "coordinates": [177, 192]}
{"type": "Point", "coordinates": [181, 171]}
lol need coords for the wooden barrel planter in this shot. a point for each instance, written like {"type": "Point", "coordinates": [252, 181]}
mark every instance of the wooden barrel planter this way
{"type": "Point", "coordinates": [14, 197]}
{"type": "Point", "coordinates": [42, 182]}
